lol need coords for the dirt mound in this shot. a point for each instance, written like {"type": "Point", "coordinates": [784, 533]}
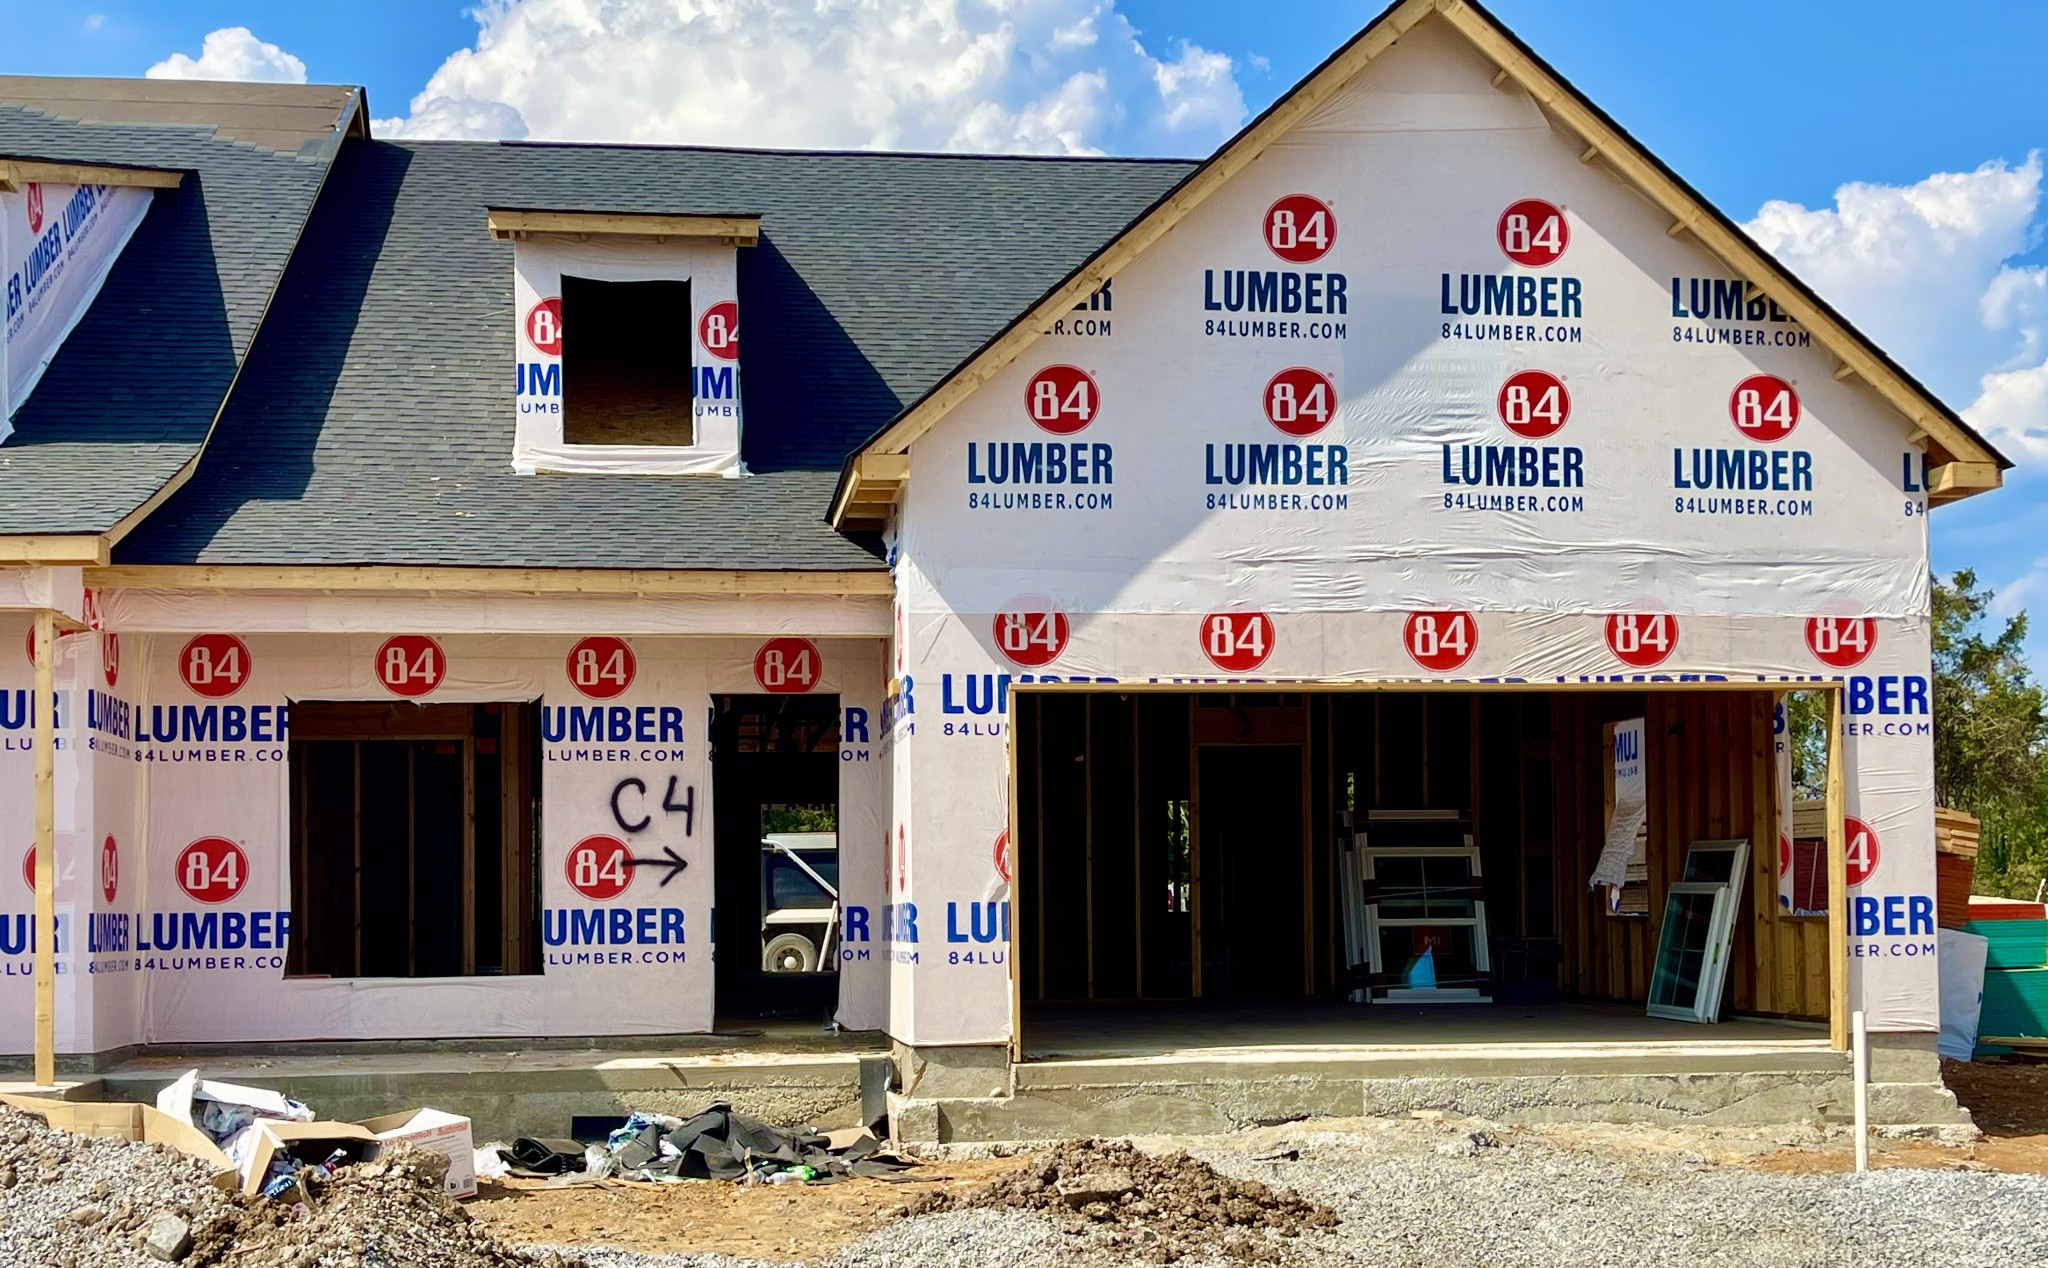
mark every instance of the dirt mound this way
{"type": "Point", "coordinates": [390, 1213]}
{"type": "Point", "coordinates": [1161, 1209]}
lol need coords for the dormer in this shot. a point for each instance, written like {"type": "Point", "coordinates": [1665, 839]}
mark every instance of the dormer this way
{"type": "Point", "coordinates": [627, 340]}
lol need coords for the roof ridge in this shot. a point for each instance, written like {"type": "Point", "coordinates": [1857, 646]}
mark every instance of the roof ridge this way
{"type": "Point", "coordinates": [780, 152]}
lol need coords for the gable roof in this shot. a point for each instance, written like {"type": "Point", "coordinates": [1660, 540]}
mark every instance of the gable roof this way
{"type": "Point", "coordinates": [1960, 460]}
{"type": "Point", "coordinates": [126, 403]}
{"type": "Point", "coordinates": [373, 423]}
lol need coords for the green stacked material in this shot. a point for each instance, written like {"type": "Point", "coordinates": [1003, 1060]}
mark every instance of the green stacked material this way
{"type": "Point", "coordinates": [2015, 1004]}
{"type": "Point", "coordinates": [2015, 944]}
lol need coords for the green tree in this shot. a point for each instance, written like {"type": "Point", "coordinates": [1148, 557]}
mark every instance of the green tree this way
{"type": "Point", "coordinates": [1990, 735]}
{"type": "Point", "coordinates": [1989, 728]}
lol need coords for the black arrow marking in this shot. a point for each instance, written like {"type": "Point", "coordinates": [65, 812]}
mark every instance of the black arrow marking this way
{"type": "Point", "coordinates": [674, 863]}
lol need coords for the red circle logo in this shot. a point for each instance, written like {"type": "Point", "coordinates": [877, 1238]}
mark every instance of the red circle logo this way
{"type": "Point", "coordinates": [1840, 642]}
{"type": "Point", "coordinates": [1003, 855]}
{"type": "Point", "coordinates": [1300, 229]}
{"type": "Point", "coordinates": [1764, 408]}
{"type": "Point", "coordinates": [1062, 399]}
{"type": "Point", "coordinates": [544, 326]}
{"type": "Point", "coordinates": [110, 656]}
{"type": "Point", "coordinates": [212, 870]}
{"type": "Point", "coordinates": [787, 665]}
{"type": "Point", "coordinates": [599, 868]}
{"type": "Point", "coordinates": [1784, 856]}
{"type": "Point", "coordinates": [1030, 639]}
{"type": "Point", "coordinates": [110, 867]}
{"type": "Point", "coordinates": [1534, 404]}
{"type": "Point", "coordinates": [1642, 639]}
{"type": "Point", "coordinates": [215, 665]}
{"type": "Point", "coordinates": [33, 195]}
{"type": "Point", "coordinates": [1440, 641]}
{"type": "Point", "coordinates": [601, 666]}
{"type": "Point", "coordinates": [1860, 849]}
{"type": "Point", "coordinates": [1237, 642]}
{"type": "Point", "coordinates": [719, 330]}
{"type": "Point", "coordinates": [1532, 232]}
{"type": "Point", "coordinates": [1300, 401]}
{"type": "Point", "coordinates": [410, 665]}
{"type": "Point", "coordinates": [28, 868]}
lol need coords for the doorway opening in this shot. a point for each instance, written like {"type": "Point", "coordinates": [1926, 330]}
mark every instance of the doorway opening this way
{"type": "Point", "coordinates": [775, 797]}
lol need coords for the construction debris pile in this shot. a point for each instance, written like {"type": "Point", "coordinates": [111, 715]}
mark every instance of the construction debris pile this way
{"type": "Point", "coordinates": [77, 1201]}
{"type": "Point", "coordinates": [718, 1144]}
{"type": "Point", "coordinates": [1157, 1209]}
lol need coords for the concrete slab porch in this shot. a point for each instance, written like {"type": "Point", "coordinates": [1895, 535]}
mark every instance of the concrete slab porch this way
{"type": "Point", "coordinates": [784, 1074]}
{"type": "Point", "coordinates": [1129, 1070]}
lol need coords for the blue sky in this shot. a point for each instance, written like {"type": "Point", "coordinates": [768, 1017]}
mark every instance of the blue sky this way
{"type": "Point", "coordinates": [1865, 125]}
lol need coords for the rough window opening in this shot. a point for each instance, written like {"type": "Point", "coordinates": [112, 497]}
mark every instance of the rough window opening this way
{"type": "Point", "coordinates": [626, 363]}
{"type": "Point", "coordinates": [414, 837]}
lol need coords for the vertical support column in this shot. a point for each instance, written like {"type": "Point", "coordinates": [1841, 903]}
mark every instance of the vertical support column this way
{"type": "Point", "coordinates": [1837, 805]}
{"type": "Point", "coordinates": [45, 740]}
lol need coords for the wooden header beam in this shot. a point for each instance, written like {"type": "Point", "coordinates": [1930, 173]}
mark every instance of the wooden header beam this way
{"type": "Point", "coordinates": [57, 551]}
{"type": "Point", "coordinates": [509, 223]}
{"type": "Point", "coordinates": [14, 173]}
{"type": "Point", "coordinates": [490, 580]}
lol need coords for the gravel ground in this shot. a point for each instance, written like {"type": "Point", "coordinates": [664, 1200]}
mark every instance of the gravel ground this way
{"type": "Point", "coordinates": [1436, 1196]}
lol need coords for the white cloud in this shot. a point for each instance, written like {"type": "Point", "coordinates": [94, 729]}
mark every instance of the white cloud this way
{"type": "Point", "coordinates": [1924, 270]}
{"type": "Point", "coordinates": [1921, 268]}
{"type": "Point", "coordinates": [1042, 76]}
{"type": "Point", "coordinates": [233, 52]}
{"type": "Point", "coordinates": [454, 119]}
{"type": "Point", "coordinates": [2011, 410]}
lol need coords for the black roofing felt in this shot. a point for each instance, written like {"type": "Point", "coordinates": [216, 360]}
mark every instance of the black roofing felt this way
{"type": "Point", "coordinates": [129, 396]}
{"type": "Point", "coordinates": [374, 422]}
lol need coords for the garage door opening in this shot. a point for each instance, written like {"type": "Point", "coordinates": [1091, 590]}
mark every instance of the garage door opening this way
{"type": "Point", "coordinates": [1271, 867]}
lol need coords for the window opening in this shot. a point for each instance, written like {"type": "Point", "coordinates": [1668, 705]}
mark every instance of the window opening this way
{"type": "Point", "coordinates": [626, 372]}
{"type": "Point", "coordinates": [415, 850]}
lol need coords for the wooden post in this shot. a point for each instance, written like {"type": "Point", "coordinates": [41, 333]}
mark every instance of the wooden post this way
{"type": "Point", "coordinates": [44, 738]}
{"type": "Point", "coordinates": [1838, 879]}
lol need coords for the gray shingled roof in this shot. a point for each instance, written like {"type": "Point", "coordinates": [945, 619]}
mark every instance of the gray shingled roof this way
{"type": "Point", "coordinates": [374, 422]}
{"type": "Point", "coordinates": [129, 397]}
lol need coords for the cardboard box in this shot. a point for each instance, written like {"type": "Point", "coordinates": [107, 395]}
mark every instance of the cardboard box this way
{"type": "Point", "coordinates": [308, 1142]}
{"type": "Point", "coordinates": [176, 1099]}
{"type": "Point", "coordinates": [438, 1132]}
{"type": "Point", "coordinates": [143, 1123]}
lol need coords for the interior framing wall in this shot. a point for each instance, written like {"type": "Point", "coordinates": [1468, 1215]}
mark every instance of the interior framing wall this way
{"type": "Point", "coordinates": [1709, 761]}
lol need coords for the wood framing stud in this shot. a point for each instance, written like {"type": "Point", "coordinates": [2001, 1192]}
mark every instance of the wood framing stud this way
{"type": "Point", "coordinates": [43, 732]}
{"type": "Point", "coordinates": [1836, 805]}
{"type": "Point", "coordinates": [1675, 228]}
{"type": "Point", "coordinates": [1500, 79]}
{"type": "Point", "coordinates": [1588, 154]}
{"type": "Point", "coordinates": [1844, 371]}
{"type": "Point", "coordinates": [734, 230]}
